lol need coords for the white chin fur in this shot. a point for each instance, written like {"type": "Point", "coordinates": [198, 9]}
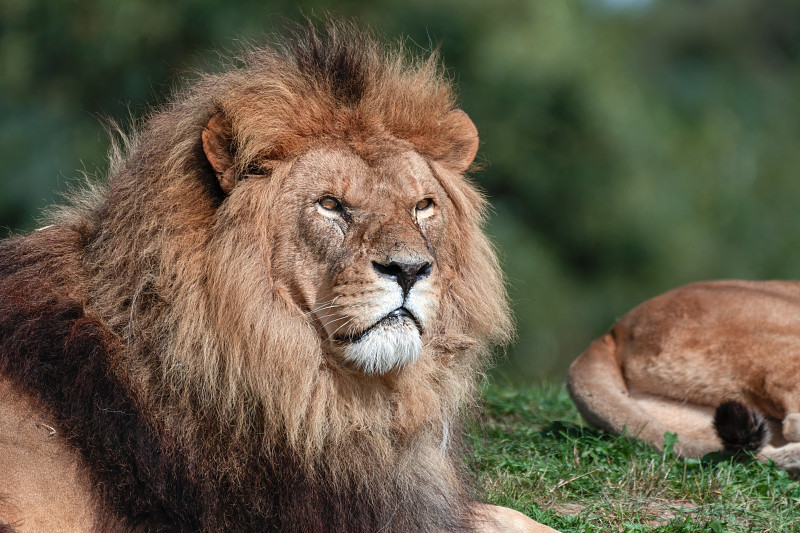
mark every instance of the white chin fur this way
{"type": "Point", "coordinates": [386, 346]}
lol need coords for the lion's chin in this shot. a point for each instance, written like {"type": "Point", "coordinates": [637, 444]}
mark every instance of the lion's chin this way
{"type": "Point", "coordinates": [388, 345]}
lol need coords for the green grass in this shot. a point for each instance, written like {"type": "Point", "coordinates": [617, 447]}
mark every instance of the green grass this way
{"type": "Point", "coordinates": [534, 454]}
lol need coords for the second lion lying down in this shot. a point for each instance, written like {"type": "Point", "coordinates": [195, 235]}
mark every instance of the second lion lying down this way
{"type": "Point", "coordinates": [718, 363]}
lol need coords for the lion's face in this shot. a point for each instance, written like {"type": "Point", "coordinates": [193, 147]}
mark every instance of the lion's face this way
{"type": "Point", "coordinates": [366, 268]}
{"type": "Point", "coordinates": [363, 230]}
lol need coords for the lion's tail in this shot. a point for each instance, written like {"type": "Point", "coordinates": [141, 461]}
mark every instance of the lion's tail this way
{"type": "Point", "coordinates": [598, 389]}
{"type": "Point", "coordinates": [741, 428]}
{"type": "Point", "coordinates": [6, 528]}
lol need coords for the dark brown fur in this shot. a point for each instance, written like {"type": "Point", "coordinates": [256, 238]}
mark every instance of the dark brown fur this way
{"type": "Point", "coordinates": [94, 325]}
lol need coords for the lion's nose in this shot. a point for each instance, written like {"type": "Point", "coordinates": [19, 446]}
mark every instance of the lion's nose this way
{"type": "Point", "coordinates": [405, 274]}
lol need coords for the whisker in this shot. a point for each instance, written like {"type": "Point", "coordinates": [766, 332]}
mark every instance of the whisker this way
{"type": "Point", "coordinates": [340, 327]}
{"type": "Point", "coordinates": [326, 315]}
{"type": "Point", "coordinates": [343, 317]}
{"type": "Point", "coordinates": [338, 306]}
{"type": "Point", "coordinates": [329, 304]}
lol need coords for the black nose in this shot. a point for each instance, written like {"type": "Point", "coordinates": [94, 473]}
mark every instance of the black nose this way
{"type": "Point", "coordinates": [405, 274]}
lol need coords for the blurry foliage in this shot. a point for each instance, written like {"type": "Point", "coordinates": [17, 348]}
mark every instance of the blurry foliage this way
{"type": "Point", "coordinates": [627, 150]}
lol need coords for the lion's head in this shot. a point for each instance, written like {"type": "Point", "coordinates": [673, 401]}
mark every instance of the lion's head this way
{"type": "Point", "coordinates": [297, 230]}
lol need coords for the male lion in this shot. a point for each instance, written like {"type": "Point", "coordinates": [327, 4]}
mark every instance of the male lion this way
{"type": "Point", "coordinates": [714, 362]}
{"type": "Point", "coordinates": [272, 318]}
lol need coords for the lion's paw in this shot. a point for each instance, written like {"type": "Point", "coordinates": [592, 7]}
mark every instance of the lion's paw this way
{"type": "Point", "coordinates": [791, 427]}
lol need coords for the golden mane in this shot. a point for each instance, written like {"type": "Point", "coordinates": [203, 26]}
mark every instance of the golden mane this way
{"type": "Point", "coordinates": [166, 229]}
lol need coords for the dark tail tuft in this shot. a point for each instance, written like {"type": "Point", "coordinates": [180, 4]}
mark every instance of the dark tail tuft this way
{"type": "Point", "coordinates": [741, 428]}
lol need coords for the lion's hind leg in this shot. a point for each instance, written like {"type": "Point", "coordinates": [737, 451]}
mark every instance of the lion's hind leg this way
{"type": "Point", "coordinates": [693, 423]}
{"type": "Point", "coordinates": [600, 392]}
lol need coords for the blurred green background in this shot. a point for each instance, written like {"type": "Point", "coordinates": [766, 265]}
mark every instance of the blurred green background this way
{"type": "Point", "coordinates": [629, 146]}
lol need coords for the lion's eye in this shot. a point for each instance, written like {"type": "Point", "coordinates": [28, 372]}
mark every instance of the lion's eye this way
{"type": "Point", "coordinates": [330, 204]}
{"type": "Point", "coordinates": [422, 205]}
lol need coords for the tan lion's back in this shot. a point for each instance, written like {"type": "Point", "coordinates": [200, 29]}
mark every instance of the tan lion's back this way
{"type": "Point", "coordinates": [668, 364]}
{"type": "Point", "coordinates": [713, 342]}
{"type": "Point", "coordinates": [40, 478]}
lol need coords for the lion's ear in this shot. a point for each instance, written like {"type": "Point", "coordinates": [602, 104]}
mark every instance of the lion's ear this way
{"type": "Point", "coordinates": [217, 145]}
{"type": "Point", "coordinates": [466, 139]}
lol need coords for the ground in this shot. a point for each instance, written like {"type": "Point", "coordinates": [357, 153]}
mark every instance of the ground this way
{"type": "Point", "coordinates": [533, 453]}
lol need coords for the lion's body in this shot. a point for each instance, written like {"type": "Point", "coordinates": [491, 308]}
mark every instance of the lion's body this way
{"type": "Point", "coordinates": [669, 363]}
{"type": "Point", "coordinates": [272, 318]}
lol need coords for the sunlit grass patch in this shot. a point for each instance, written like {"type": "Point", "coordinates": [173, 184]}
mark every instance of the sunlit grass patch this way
{"type": "Point", "coordinates": [533, 453]}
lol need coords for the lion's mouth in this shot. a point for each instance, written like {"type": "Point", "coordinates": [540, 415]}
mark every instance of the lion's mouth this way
{"type": "Point", "coordinates": [399, 314]}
